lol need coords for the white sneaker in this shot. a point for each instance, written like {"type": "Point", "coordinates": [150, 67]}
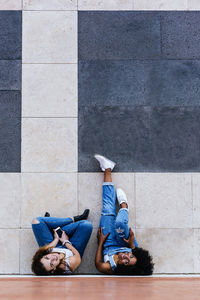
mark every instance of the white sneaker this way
{"type": "Point", "coordinates": [105, 163]}
{"type": "Point", "coordinates": [121, 196]}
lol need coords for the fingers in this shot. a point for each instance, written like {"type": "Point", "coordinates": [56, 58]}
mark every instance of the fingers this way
{"type": "Point", "coordinates": [126, 241]}
{"type": "Point", "coordinates": [107, 235]}
{"type": "Point", "coordinates": [130, 230]}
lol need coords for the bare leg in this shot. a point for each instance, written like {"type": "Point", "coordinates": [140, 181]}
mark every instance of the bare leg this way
{"type": "Point", "coordinates": [107, 175]}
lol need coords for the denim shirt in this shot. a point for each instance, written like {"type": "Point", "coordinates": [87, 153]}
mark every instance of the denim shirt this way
{"type": "Point", "coordinates": [112, 252]}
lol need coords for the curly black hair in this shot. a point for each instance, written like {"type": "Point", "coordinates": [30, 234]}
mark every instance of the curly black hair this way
{"type": "Point", "coordinates": [144, 265]}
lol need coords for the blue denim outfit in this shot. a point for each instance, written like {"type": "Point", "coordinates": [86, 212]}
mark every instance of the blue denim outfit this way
{"type": "Point", "coordinates": [78, 232]}
{"type": "Point", "coordinates": [116, 225]}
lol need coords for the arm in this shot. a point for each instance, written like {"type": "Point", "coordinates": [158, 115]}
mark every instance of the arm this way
{"type": "Point", "coordinates": [100, 265]}
{"type": "Point", "coordinates": [54, 243]}
{"type": "Point", "coordinates": [74, 260]}
{"type": "Point", "coordinates": [130, 241]}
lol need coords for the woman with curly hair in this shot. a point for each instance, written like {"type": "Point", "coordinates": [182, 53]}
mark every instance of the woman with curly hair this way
{"type": "Point", "coordinates": [118, 252]}
{"type": "Point", "coordinates": [60, 255]}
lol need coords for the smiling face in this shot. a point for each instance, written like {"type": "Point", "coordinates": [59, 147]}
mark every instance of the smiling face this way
{"type": "Point", "coordinates": [126, 259]}
{"type": "Point", "coordinates": [51, 261]}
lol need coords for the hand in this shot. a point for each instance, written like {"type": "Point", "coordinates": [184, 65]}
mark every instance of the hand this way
{"type": "Point", "coordinates": [56, 237]}
{"type": "Point", "coordinates": [63, 237]}
{"type": "Point", "coordinates": [101, 238]}
{"type": "Point", "coordinates": [131, 239]}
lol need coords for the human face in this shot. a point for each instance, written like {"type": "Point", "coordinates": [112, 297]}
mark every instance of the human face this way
{"type": "Point", "coordinates": [126, 259]}
{"type": "Point", "coordinates": [50, 261]}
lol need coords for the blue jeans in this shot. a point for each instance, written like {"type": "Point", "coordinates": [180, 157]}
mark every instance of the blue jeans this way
{"type": "Point", "coordinates": [78, 232]}
{"type": "Point", "coordinates": [116, 225]}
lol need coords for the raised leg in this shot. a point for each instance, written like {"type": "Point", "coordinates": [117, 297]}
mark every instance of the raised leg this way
{"type": "Point", "coordinates": [108, 214]}
{"type": "Point", "coordinates": [79, 234]}
{"type": "Point", "coordinates": [42, 228]}
{"type": "Point", "coordinates": [121, 226]}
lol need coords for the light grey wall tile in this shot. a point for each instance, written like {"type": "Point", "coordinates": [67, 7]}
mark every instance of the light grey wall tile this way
{"type": "Point", "coordinates": [55, 193]}
{"type": "Point", "coordinates": [11, 5]}
{"type": "Point", "coordinates": [105, 4]}
{"type": "Point", "coordinates": [49, 37]}
{"type": "Point", "coordinates": [10, 195]}
{"type": "Point", "coordinates": [9, 259]}
{"type": "Point", "coordinates": [163, 200]}
{"type": "Point", "coordinates": [49, 4]}
{"type": "Point", "coordinates": [196, 251]}
{"type": "Point", "coordinates": [171, 249]}
{"type": "Point", "coordinates": [49, 90]}
{"type": "Point", "coordinates": [196, 202]}
{"type": "Point", "coordinates": [193, 4]}
{"type": "Point", "coordinates": [160, 5]}
{"type": "Point", "coordinates": [28, 247]}
{"type": "Point", "coordinates": [49, 145]}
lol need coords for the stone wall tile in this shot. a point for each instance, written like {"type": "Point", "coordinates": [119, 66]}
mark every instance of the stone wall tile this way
{"type": "Point", "coordinates": [168, 249]}
{"type": "Point", "coordinates": [10, 195]}
{"type": "Point", "coordinates": [118, 35]}
{"type": "Point", "coordinates": [11, 34]}
{"type": "Point", "coordinates": [163, 200]}
{"type": "Point", "coordinates": [160, 5]}
{"type": "Point", "coordinates": [49, 145]}
{"type": "Point", "coordinates": [55, 193]}
{"type": "Point", "coordinates": [49, 90]}
{"type": "Point", "coordinates": [180, 35]}
{"type": "Point", "coordinates": [49, 4]}
{"type": "Point", "coordinates": [9, 260]}
{"type": "Point", "coordinates": [49, 37]}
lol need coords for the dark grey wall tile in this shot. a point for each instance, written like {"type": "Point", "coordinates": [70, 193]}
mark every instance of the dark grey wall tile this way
{"type": "Point", "coordinates": [175, 137]}
{"type": "Point", "coordinates": [10, 105]}
{"type": "Point", "coordinates": [139, 82]}
{"type": "Point", "coordinates": [10, 34]}
{"type": "Point", "coordinates": [173, 83]}
{"type": "Point", "coordinates": [140, 139]}
{"type": "Point", "coordinates": [121, 133]}
{"type": "Point", "coordinates": [10, 75]}
{"type": "Point", "coordinates": [180, 34]}
{"type": "Point", "coordinates": [106, 82]}
{"type": "Point", "coordinates": [118, 35]}
{"type": "Point", "coordinates": [10, 131]}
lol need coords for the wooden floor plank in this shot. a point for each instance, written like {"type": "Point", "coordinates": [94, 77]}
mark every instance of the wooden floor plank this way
{"type": "Point", "coordinates": [100, 288]}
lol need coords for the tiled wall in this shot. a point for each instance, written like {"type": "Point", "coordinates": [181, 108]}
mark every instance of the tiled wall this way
{"type": "Point", "coordinates": [164, 209]}
{"type": "Point", "coordinates": [139, 89]}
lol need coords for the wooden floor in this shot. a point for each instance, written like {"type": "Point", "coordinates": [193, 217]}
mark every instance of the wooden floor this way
{"type": "Point", "coordinates": [100, 288]}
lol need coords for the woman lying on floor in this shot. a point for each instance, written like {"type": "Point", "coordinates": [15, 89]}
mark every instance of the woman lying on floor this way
{"type": "Point", "coordinates": [116, 241]}
{"type": "Point", "coordinates": [60, 256]}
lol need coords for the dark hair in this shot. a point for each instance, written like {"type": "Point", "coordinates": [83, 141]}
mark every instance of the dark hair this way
{"type": "Point", "coordinates": [144, 265]}
{"type": "Point", "coordinates": [39, 269]}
